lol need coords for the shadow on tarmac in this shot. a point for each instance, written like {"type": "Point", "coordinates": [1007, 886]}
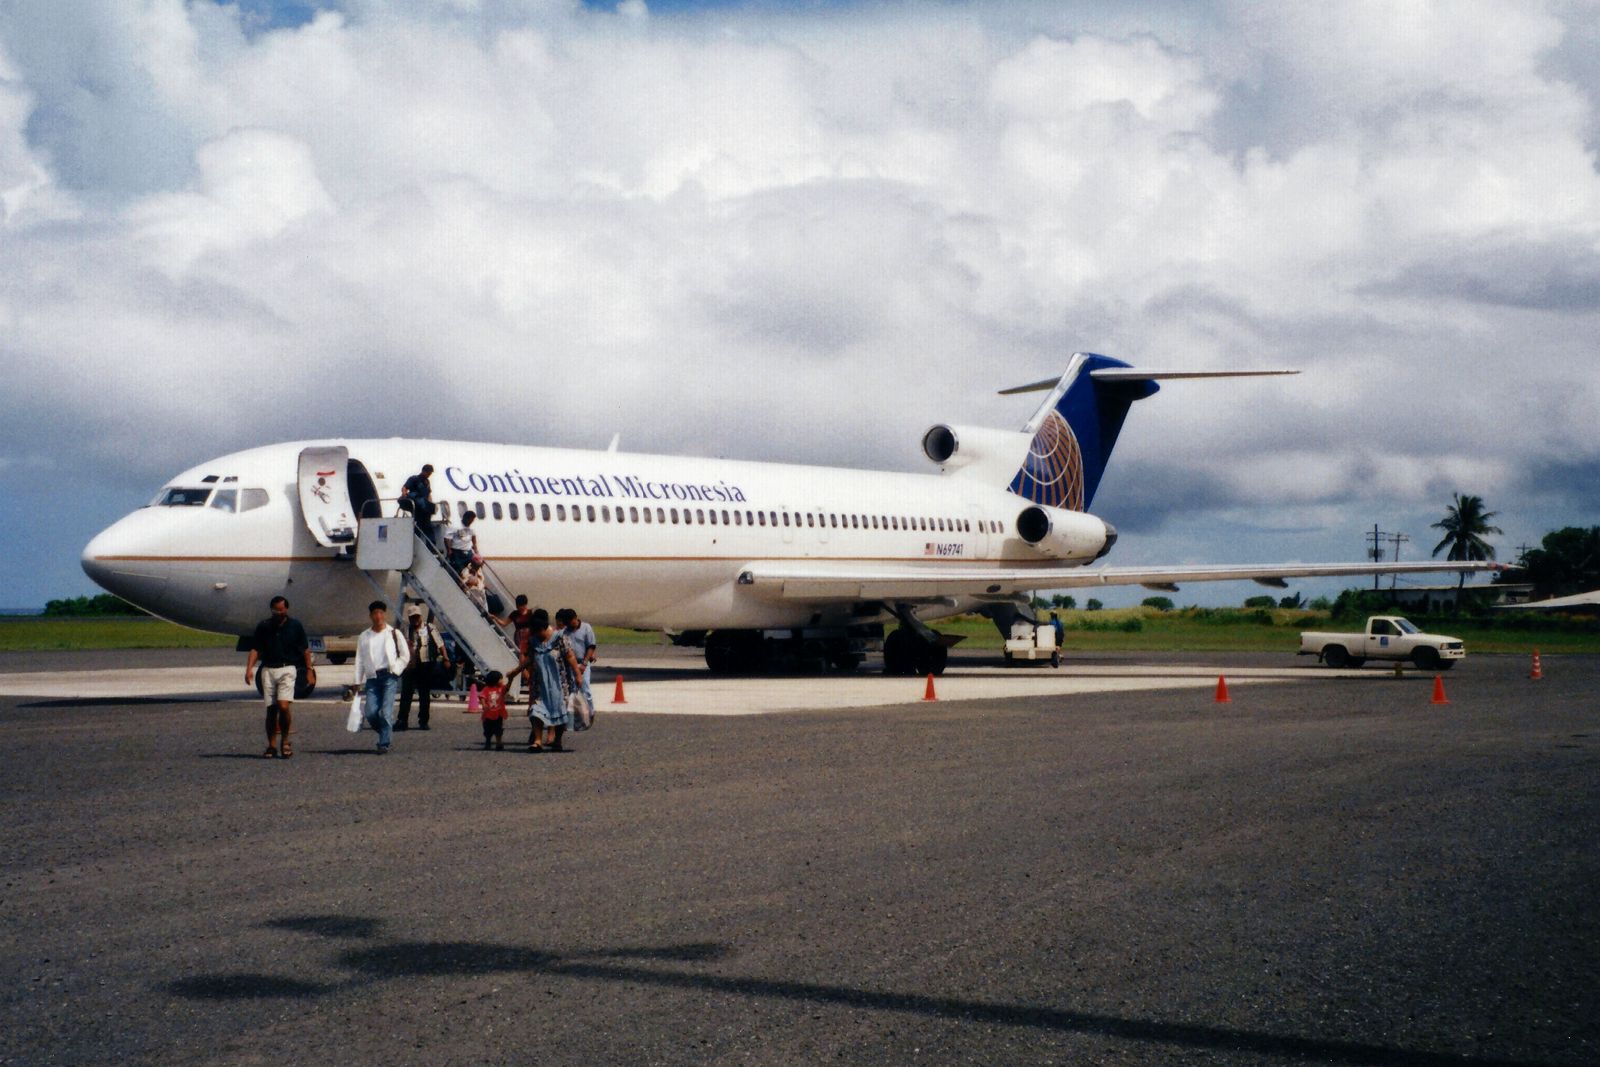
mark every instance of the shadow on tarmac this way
{"type": "Point", "coordinates": [135, 702]}
{"type": "Point", "coordinates": [433, 959]}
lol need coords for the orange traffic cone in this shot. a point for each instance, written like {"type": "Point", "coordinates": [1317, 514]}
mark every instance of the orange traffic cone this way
{"type": "Point", "coordinates": [1222, 691]}
{"type": "Point", "coordinates": [472, 700]}
{"type": "Point", "coordinates": [929, 694]}
{"type": "Point", "coordinates": [1538, 670]}
{"type": "Point", "coordinates": [617, 697]}
{"type": "Point", "coordinates": [1438, 690]}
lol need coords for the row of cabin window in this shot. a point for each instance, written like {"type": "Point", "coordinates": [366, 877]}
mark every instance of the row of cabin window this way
{"type": "Point", "coordinates": [710, 517]}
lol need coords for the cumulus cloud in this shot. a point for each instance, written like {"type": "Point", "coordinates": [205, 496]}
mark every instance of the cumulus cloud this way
{"type": "Point", "coordinates": [806, 236]}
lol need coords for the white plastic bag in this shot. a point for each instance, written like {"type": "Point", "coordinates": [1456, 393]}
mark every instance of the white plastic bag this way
{"type": "Point", "coordinates": [356, 719]}
{"type": "Point", "coordinates": [580, 711]}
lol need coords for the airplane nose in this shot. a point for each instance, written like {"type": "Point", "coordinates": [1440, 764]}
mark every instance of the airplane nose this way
{"type": "Point", "coordinates": [119, 559]}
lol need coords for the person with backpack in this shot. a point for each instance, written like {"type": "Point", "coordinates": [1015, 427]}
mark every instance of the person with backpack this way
{"type": "Point", "coordinates": [381, 659]}
{"type": "Point", "coordinates": [418, 494]}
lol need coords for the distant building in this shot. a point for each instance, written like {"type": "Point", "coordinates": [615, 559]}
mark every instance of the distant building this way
{"type": "Point", "coordinates": [1433, 599]}
{"type": "Point", "coordinates": [1577, 604]}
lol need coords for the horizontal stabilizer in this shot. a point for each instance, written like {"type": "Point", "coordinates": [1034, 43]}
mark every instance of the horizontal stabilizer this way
{"type": "Point", "coordinates": [1135, 374]}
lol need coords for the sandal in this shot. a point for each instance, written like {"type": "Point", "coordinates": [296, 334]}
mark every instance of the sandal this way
{"type": "Point", "coordinates": [535, 747]}
{"type": "Point", "coordinates": [270, 753]}
{"type": "Point", "coordinates": [286, 752]}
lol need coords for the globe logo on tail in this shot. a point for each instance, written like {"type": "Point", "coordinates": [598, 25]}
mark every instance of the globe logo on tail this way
{"type": "Point", "coordinates": [1052, 473]}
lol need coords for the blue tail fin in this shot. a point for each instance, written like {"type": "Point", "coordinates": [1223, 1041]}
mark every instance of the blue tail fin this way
{"type": "Point", "coordinates": [1074, 431]}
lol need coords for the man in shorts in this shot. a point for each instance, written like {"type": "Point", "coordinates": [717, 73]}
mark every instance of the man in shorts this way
{"type": "Point", "coordinates": [281, 648]}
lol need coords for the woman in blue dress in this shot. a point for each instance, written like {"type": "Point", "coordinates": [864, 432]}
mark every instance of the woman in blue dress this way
{"type": "Point", "coordinates": [552, 672]}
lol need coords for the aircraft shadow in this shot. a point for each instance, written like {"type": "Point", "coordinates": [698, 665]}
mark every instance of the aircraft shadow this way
{"type": "Point", "coordinates": [130, 701]}
{"type": "Point", "coordinates": [370, 960]}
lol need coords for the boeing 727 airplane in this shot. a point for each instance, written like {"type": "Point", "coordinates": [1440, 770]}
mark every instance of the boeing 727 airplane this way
{"type": "Point", "coordinates": [762, 559]}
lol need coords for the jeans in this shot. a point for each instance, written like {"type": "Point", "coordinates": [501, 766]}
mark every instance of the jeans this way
{"type": "Point", "coordinates": [583, 681]}
{"type": "Point", "coordinates": [377, 700]}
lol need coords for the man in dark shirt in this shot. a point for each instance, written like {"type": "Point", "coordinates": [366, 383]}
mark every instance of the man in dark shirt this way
{"type": "Point", "coordinates": [281, 648]}
{"type": "Point", "coordinates": [419, 491]}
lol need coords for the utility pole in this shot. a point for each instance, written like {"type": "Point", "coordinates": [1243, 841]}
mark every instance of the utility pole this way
{"type": "Point", "coordinates": [1396, 539]}
{"type": "Point", "coordinates": [1375, 553]}
{"type": "Point", "coordinates": [1522, 554]}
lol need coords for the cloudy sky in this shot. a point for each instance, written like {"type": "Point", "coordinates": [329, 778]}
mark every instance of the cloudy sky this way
{"type": "Point", "coordinates": [806, 231]}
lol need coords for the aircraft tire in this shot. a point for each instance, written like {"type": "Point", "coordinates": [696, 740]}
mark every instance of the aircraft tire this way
{"type": "Point", "coordinates": [899, 653]}
{"type": "Point", "coordinates": [931, 658]}
{"type": "Point", "coordinates": [721, 657]}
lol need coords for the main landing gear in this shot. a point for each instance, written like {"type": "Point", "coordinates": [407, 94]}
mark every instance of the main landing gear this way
{"type": "Point", "coordinates": [907, 652]}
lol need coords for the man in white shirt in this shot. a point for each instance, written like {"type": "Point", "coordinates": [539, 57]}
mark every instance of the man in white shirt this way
{"type": "Point", "coordinates": [462, 542]}
{"type": "Point", "coordinates": [381, 658]}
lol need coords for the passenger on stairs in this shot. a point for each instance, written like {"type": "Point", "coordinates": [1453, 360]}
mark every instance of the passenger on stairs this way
{"type": "Point", "coordinates": [462, 542]}
{"type": "Point", "coordinates": [477, 587]}
{"type": "Point", "coordinates": [418, 492]}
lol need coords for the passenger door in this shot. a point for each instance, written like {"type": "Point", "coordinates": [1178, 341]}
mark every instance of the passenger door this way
{"type": "Point", "coordinates": [324, 488]}
{"type": "Point", "coordinates": [1380, 636]}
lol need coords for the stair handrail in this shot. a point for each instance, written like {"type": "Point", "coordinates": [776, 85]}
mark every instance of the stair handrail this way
{"type": "Point", "coordinates": [443, 559]}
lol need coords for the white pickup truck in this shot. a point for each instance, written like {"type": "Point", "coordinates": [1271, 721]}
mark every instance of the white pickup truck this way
{"type": "Point", "coordinates": [1387, 637]}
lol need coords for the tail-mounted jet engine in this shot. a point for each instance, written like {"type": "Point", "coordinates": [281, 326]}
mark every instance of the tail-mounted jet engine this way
{"type": "Point", "coordinates": [978, 451]}
{"type": "Point", "coordinates": [1065, 534]}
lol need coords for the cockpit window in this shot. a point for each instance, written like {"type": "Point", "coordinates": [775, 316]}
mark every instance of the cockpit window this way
{"type": "Point", "coordinates": [183, 498]}
{"type": "Point", "coordinates": [250, 499]}
{"type": "Point", "coordinates": [225, 500]}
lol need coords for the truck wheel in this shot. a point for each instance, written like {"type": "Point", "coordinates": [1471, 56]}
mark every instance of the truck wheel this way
{"type": "Point", "coordinates": [1358, 661]}
{"type": "Point", "coordinates": [1446, 664]}
{"type": "Point", "coordinates": [338, 659]}
{"type": "Point", "coordinates": [1426, 658]}
{"type": "Point", "coordinates": [1335, 656]}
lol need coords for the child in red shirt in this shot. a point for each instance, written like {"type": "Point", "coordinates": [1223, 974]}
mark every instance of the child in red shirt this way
{"type": "Point", "coordinates": [492, 705]}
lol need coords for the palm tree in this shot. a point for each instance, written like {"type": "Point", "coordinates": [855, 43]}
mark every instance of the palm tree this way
{"type": "Point", "coordinates": [1464, 524]}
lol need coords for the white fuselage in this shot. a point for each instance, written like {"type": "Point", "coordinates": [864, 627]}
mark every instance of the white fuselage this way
{"type": "Point", "coordinates": [566, 527]}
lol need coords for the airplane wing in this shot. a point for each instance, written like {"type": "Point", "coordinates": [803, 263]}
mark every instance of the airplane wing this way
{"type": "Point", "coordinates": [910, 582]}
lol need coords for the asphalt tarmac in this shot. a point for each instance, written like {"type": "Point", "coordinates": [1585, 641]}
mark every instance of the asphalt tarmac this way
{"type": "Point", "coordinates": [1326, 870]}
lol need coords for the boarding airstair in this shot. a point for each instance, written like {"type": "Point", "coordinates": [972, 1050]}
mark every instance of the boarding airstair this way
{"type": "Point", "coordinates": [394, 544]}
